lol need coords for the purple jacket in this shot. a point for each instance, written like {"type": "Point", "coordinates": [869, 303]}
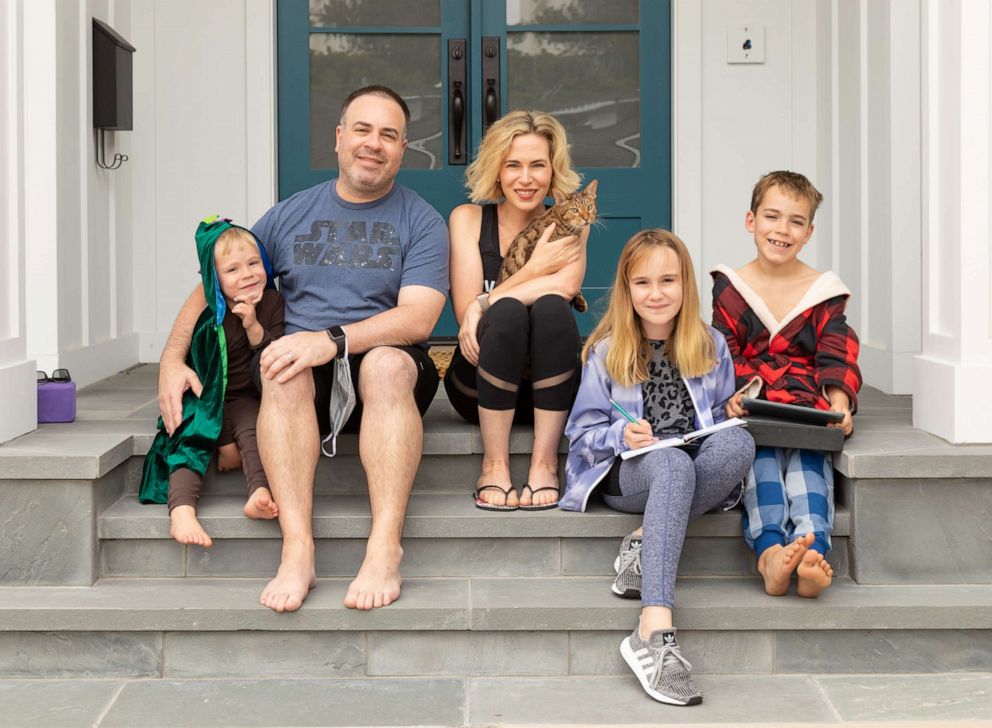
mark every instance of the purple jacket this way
{"type": "Point", "coordinates": [595, 428]}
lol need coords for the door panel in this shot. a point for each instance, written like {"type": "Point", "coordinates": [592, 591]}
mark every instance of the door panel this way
{"type": "Point", "coordinates": [602, 69]}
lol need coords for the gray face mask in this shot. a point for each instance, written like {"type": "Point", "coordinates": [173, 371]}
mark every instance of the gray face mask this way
{"type": "Point", "coordinates": [342, 402]}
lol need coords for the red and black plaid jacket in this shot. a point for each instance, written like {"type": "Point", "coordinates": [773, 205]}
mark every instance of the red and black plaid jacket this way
{"type": "Point", "coordinates": [815, 349]}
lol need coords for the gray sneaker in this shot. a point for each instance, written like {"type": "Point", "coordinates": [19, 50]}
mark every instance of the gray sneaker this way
{"type": "Point", "coordinates": [628, 569]}
{"type": "Point", "coordinates": [661, 668]}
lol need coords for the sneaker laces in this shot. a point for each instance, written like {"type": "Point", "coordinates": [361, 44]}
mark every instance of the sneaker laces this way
{"type": "Point", "coordinates": [631, 558]}
{"type": "Point", "coordinates": [668, 655]}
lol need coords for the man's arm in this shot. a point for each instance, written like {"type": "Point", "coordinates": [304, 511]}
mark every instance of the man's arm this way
{"type": "Point", "coordinates": [174, 377]}
{"type": "Point", "coordinates": [410, 322]}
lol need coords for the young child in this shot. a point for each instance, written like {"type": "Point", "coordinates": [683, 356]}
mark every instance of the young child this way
{"type": "Point", "coordinates": [652, 355]}
{"type": "Point", "coordinates": [244, 314]}
{"type": "Point", "coordinates": [785, 326]}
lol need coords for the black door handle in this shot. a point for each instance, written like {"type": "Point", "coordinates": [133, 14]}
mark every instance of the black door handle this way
{"type": "Point", "coordinates": [456, 102]}
{"type": "Point", "coordinates": [490, 81]}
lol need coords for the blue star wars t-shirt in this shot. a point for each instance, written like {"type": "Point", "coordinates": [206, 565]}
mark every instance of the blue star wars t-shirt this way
{"type": "Point", "coordinates": [340, 262]}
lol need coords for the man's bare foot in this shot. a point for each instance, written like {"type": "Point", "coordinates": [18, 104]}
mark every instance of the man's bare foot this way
{"type": "Point", "coordinates": [814, 573]}
{"type": "Point", "coordinates": [777, 563]}
{"type": "Point", "coordinates": [186, 529]}
{"type": "Point", "coordinates": [498, 474]}
{"type": "Point", "coordinates": [378, 581]}
{"type": "Point", "coordinates": [294, 580]}
{"type": "Point", "coordinates": [261, 505]}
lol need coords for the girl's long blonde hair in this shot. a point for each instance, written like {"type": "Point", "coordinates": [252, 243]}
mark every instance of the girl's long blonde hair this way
{"type": "Point", "coordinates": [690, 347]}
{"type": "Point", "coordinates": [482, 175]}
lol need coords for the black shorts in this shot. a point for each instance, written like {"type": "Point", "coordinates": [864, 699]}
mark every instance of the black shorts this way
{"type": "Point", "coordinates": [323, 376]}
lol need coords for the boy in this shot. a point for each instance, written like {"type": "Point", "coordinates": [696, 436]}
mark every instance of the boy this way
{"type": "Point", "coordinates": [785, 326]}
{"type": "Point", "coordinates": [241, 319]}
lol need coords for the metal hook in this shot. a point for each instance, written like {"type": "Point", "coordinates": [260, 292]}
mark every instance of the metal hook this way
{"type": "Point", "coordinates": [101, 153]}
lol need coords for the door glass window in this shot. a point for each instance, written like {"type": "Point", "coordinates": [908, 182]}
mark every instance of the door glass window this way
{"type": "Point", "coordinates": [554, 12]}
{"type": "Point", "coordinates": [590, 81]}
{"type": "Point", "coordinates": [351, 13]}
{"type": "Point", "coordinates": [408, 63]}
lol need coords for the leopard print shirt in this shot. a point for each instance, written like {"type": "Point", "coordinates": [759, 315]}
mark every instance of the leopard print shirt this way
{"type": "Point", "coordinates": [667, 404]}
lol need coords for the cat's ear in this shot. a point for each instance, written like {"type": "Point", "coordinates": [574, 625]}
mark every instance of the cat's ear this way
{"type": "Point", "coordinates": [591, 188]}
{"type": "Point", "coordinates": [558, 195]}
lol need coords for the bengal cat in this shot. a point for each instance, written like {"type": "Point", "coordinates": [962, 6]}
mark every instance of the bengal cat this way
{"type": "Point", "coordinates": [570, 214]}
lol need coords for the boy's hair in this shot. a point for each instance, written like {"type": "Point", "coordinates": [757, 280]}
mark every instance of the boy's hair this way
{"type": "Point", "coordinates": [482, 175]}
{"type": "Point", "coordinates": [793, 183]}
{"type": "Point", "coordinates": [690, 347]}
{"type": "Point", "coordinates": [227, 239]}
{"type": "Point", "coordinates": [377, 90]}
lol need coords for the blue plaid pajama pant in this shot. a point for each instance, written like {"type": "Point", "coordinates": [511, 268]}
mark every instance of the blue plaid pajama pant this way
{"type": "Point", "coordinates": [788, 493]}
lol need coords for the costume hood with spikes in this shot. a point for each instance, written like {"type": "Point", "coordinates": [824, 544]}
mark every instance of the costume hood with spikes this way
{"type": "Point", "coordinates": [193, 442]}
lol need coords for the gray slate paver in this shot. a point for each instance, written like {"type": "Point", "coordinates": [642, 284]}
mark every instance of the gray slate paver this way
{"type": "Point", "coordinates": [206, 704]}
{"type": "Point", "coordinates": [619, 700]}
{"type": "Point", "coordinates": [910, 697]}
{"type": "Point", "coordinates": [80, 654]}
{"type": "Point", "coordinates": [55, 703]}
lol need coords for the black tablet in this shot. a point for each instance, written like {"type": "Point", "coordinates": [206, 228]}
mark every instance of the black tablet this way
{"type": "Point", "coordinates": [794, 413]}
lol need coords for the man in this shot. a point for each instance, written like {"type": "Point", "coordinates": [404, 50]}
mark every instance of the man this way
{"type": "Point", "coordinates": [363, 264]}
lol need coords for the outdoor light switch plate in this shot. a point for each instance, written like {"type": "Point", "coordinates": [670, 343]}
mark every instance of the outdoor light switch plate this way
{"type": "Point", "coordinates": [746, 43]}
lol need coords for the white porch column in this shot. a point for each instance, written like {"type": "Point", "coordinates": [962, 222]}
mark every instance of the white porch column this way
{"type": "Point", "coordinates": [17, 389]}
{"type": "Point", "coordinates": [952, 376]}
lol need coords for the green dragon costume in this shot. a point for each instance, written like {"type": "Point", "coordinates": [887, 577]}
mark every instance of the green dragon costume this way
{"type": "Point", "coordinates": [193, 442]}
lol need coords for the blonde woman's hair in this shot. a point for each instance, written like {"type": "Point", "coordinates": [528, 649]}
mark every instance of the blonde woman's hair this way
{"type": "Point", "coordinates": [482, 175]}
{"type": "Point", "coordinates": [690, 347]}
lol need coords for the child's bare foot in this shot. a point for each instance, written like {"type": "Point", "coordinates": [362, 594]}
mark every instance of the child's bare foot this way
{"type": "Point", "coordinates": [261, 505]}
{"type": "Point", "coordinates": [814, 573]}
{"type": "Point", "coordinates": [777, 563]}
{"type": "Point", "coordinates": [186, 529]}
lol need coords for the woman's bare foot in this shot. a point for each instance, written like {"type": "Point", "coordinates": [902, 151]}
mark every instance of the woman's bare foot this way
{"type": "Point", "coordinates": [540, 477]}
{"type": "Point", "coordinates": [814, 573]}
{"type": "Point", "coordinates": [186, 529]}
{"type": "Point", "coordinates": [378, 581]}
{"type": "Point", "coordinates": [498, 474]}
{"type": "Point", "coordinates": [260, 505]}
{"type": "Point", "coordinates": [294, 580]}
{"type": "Point", "coordinates": [777, 563]}
{"type": "Point", "coordinates": [228, 457]}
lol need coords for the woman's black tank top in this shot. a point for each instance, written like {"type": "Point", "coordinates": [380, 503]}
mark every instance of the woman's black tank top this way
{"type": "Point", "coordinates": [492, 261]}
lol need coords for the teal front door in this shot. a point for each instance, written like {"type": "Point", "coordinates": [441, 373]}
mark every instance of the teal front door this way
{"type": "Point", "coordinates": [602, 68]}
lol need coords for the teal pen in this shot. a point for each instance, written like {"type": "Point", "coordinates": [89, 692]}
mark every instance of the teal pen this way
{"type": "Point", "coordinates": [624, 412]}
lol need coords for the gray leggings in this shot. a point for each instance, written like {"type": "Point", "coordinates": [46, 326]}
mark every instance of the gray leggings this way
{"type": "Point", "coordinates": [672, 487]}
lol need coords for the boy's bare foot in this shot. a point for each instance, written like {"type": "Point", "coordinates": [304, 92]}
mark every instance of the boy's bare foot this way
{"type": "Point", "coordinates": [378, 581]}
{"type": "Point", "coordinates": [261, 505]}
{"type": "Point", "coordinates": [777, 563]}
{"type": "Point", "coordinates": [186, 529]}
{"type": "Point", "coordinates": [294, 580]}
{"type": "Point", "coordinates": [228, 457]}
{"type": "Point", "coordinates": [814, 573]}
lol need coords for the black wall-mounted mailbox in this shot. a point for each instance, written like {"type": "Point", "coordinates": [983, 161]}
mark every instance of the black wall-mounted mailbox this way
{"type": "Point", "coordinates": [112, 79]}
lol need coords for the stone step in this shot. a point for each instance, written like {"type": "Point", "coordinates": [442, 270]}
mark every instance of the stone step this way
{"type": "Point", "coordinates": [445, 535]}
{"type": "Point", "coordinates": [487, 605]}
{"type": "Point", "coordinates": [856, 701]}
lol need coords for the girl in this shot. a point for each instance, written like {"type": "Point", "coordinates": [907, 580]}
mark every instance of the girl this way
{"type": "Point", "coordinates": [522, 158]}
{"type": "Point", "coordinates": [653, 355]}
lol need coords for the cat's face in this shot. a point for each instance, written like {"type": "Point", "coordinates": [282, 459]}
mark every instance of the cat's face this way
{"type": "Point", "coordinates": [579, 208]}
{"type": "Point", "coordinates": [525, 175]}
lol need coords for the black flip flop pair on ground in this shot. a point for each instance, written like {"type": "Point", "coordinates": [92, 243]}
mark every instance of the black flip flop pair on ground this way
{"type": "Point", "coordinates": [482, 505]}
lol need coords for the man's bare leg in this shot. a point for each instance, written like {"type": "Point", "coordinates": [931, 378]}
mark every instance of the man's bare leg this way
{"type": "Point", "coordinates": [288, 444]}
{"type": "Point", "coordinates": [390, 443]}
{"type": "Point", "coordinates": [777, 563]}
{"type": "Point", "coordinates": [548, 426]}
{"type": "Point", "coordinates": [495, 428]}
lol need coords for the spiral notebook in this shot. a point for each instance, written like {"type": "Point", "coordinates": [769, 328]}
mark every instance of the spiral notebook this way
{"type": "Point", "coordinates": [685, 439]}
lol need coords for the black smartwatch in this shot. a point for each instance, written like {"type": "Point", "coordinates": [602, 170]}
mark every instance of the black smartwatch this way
{"type": "Point", "coordinates": [340, 340]}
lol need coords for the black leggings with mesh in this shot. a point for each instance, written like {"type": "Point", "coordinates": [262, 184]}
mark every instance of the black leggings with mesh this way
{"type": "Point", "coordinates": [540, 341]}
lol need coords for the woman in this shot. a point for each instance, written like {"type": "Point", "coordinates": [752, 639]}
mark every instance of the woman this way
{"type": "Point", "coordinates": [523, 157]}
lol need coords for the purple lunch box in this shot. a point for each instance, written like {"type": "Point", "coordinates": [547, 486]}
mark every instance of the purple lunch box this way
{"type": "Point", "coordinates": [56, 401]}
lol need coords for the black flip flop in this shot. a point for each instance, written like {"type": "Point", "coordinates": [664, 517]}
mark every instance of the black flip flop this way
{"type": "Point", "coordinates": [533, 492]}
{"type": "Point", "coordinates": [483, 506]}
